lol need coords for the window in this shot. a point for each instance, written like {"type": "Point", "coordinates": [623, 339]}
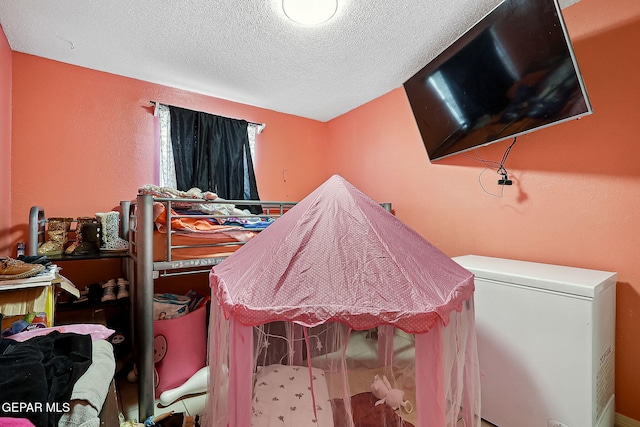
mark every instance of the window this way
{"type": "Point", "coordinates": [200, 160]}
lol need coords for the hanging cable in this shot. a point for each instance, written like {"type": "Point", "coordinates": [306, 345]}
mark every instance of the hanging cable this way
{"type": "Point", "coordinates": [497, 166]}
{"type": "Point", "coordinates": [502, 170]}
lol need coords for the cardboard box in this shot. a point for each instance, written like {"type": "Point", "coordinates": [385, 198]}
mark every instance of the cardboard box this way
{"type": "Point", "coordinates": [35, 294]}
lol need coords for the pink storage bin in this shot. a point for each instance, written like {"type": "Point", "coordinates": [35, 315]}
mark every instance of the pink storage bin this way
{"type": "Point", "coordinates": [179, 349]}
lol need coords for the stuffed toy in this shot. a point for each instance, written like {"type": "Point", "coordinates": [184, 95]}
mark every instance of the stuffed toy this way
{"type": "Point", "coordinates": [382, 390]}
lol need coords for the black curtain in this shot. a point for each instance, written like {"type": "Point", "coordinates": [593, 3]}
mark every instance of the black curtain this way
{"type": "Point", "coordinates": [212, 153]}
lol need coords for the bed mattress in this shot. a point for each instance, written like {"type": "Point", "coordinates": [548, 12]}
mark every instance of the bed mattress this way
{"type": "Point", "coordinates": [282, 397]}
{"type": "Point", "coordinates": [229, 243]}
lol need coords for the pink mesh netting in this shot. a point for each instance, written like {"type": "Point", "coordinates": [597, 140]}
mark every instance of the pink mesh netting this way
{"type": "Point", "coordinates": [338, 257]}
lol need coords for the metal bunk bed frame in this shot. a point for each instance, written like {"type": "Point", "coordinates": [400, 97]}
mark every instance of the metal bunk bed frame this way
{"type": "Point", "coordinates": [140, 232]}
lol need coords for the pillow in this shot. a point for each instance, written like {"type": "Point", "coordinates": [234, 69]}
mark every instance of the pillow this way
{"type": "Point", "coordinates": [282, 397]}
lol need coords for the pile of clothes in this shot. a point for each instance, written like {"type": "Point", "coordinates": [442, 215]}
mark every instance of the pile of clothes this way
{"type": "Point", "coordinates": [42, 371]}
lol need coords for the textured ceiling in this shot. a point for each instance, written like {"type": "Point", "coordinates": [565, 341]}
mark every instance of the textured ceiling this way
{"type": "Point", "coordinates": [247, 50]}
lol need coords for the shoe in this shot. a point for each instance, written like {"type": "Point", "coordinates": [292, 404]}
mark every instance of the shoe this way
{"type": "Point", "coordinates": [95, 291]}
{"type": "Point", "coordinates": [86, 237]}
{"type": "Point", "coordinates": [57, 231]}
{"type": "Point", "coordinates": [109, 291]}
{"type": "Point", "coordinates": [90, 239]}
{"type": "Point", "coordinates": [110, 232]}
{"type": "Point", "coordinates": [123, 288]}
{"type": "Point", "coordinates": [15, 269]}
{"type": "Point", "coordinates": [84, 296]}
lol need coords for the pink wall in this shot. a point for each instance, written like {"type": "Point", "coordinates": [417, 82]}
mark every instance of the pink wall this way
{"type": "Point", "coordinates": [576, 193]}
{"type": "Point", "coordinates": [5, 142]}
{"type": "Point", "coordinates": [83, 140]}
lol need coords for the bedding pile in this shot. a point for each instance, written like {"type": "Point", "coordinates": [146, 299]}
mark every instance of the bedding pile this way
{"type": "Point", "coordinates": [56, 378]}
{"type": "Point", "coordinates": [41, 372]}
{"type": "Point", "coordinates": [90, 391]}
{"type": "Point", "coordinates": [231, 221]}
{"type": "Point", "coordinates": [221, 208]}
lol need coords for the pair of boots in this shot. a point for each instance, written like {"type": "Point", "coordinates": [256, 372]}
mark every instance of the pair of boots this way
{"type": "Point", "coordinates": [101, 232]}
{"type": "Point", "coordinates": [113, 289]}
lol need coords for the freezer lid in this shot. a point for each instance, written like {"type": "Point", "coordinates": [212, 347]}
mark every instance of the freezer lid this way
{"type": "Point", "coordinates": [568, 280]}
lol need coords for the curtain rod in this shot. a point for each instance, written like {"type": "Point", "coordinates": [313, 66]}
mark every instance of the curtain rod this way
{"type": "Point", "coordinates": [260, 126]}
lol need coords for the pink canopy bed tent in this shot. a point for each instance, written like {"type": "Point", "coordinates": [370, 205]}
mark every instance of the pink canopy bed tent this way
{"type": "Point", "coordinates": [335, 307]}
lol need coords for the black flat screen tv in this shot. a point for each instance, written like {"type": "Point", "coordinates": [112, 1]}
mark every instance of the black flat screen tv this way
{"type": "Point", "coordinates": [512, 73]}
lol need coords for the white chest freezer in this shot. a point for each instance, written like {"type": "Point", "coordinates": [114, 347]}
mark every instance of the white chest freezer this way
{"type": "Point", "coordinates": [546, 336]}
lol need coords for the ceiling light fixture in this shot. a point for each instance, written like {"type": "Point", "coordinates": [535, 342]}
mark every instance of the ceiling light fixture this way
{"type": "Point", "coordinates": [309, 12]}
